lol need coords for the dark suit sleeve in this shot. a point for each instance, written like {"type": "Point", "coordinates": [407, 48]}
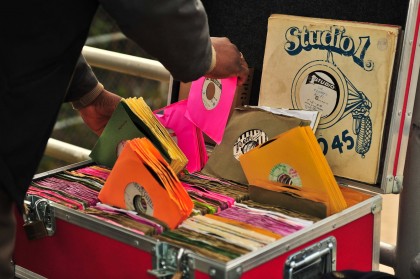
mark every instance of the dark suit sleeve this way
{"type": "Point", "coordinates": [83, 81]}
{"type": "Point", "coordinates": [175, 32]}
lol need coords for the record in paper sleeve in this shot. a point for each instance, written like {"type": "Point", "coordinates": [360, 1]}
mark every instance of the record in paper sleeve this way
{"type": "Point", "coordinates": [209, 105]}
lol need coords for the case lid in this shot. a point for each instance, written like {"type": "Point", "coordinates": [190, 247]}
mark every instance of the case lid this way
{"type": "Point", "coordinates": [246, 21]}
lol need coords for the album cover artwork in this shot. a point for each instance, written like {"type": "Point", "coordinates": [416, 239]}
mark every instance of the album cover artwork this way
{"type": "Point", "coordinates": [342, 69]}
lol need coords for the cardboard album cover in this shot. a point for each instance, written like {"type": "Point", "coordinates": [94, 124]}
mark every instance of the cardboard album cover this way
{"type": "Point", "coordinates": [342, 69]}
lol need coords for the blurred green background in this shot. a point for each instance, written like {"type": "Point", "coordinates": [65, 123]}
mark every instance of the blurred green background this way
{"type": "Point", "coordinates": [105, 34]}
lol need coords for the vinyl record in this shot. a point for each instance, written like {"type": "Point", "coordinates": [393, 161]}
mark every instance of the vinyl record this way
{"type": "Point", "coordinates": [209, 105]}
{"type": "Point", "coordinates": [142, 181]}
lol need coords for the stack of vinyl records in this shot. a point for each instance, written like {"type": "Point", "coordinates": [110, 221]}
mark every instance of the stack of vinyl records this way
{"type": "Point", "coordinates": [131, 119]}
{"type": "Point", "coordinates": [236, 225]}
{"type": "Point", "coordinates": [235, 231]}
{"type": "Point", "coordinates": [235, 190]}
{"type": "Point", "coordinates": [211, 194]}
{"type": "Point", "coordinates": [187, 136]}
{"type": "Point", "coordinates": [247, 128]}
{"type": "Point", "coordinates": [76, 189]}
{"type": "Point", "coordinates": [79, 188]}
{"type": "Point", "coordinates": [143, 181]}
{"type": "Point", "coordinates": [293, 163]}
{"type": "Point", "coordinates": [128, 219]}
{"type": "Point", "coordinates": [218, 238]}
{"type": "Point", "coordinates": [146, 189]}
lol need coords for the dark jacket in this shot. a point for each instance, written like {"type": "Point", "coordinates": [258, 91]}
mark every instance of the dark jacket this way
{"type": "Point", "coordinates": [41, 42]}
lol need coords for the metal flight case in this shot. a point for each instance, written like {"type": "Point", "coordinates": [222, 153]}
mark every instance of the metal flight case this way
{"type": "Point", "coordinates": [80, 246]}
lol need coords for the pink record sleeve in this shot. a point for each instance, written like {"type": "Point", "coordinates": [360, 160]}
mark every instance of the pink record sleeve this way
{"type": "Point", "coordinates": [209, 105]}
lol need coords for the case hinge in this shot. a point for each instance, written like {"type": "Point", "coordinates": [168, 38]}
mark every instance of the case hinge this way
{"type": "Point", "coordinates": [398, 184]}
{"type": "Point", "coordinates": [394, 183]}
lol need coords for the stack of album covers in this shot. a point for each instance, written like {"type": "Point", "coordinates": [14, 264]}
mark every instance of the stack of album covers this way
{"type": "Point", "coordinates": [140, 180]}
{"type": "Point", "coordinates": [144, 187]}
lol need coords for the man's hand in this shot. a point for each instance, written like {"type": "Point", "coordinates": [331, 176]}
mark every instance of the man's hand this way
{"type": "Point", "coordinates": [97, 113]}
{"type": "Point", "coordinates": [229, 61]}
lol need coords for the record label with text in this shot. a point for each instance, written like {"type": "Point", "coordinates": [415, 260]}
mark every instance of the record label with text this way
{"type": "Point", "coordinates": [211, 92]}
{"type": "Point", "coordinates": [285, 174]}
{"type": "Point", "coordinates": [137, 199]}
{"type": "Point", "coordinates": [247, 141]}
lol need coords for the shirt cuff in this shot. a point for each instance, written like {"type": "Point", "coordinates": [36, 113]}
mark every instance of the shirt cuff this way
{"type": "Point", "coordinates": [89, 97]}
{"type": "Point", "coordinates": [213, 59]}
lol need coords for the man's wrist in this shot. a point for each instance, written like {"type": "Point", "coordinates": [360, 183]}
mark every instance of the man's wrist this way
{"type": "Point", "coordinates": [88, 98]}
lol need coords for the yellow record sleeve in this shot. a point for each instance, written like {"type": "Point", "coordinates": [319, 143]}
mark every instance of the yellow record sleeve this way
{"type": "Point", "coordinates": [294, 162]}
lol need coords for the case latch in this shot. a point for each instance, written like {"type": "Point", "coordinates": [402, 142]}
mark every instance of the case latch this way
{"type": "Point", "coordinates": [39, 217]}
{"type": "Point", "coordinates": [170, 262]}
{"type": "Point", "coordinates": [313, 261]}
